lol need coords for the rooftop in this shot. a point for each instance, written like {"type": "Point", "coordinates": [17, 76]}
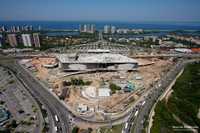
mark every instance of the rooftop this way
{"type": "Point", "coordinates": [104, 92]}
{"type": "Point", "coordinates": [98, 51]}
{"type": "Point", "coordinates": [94, 58]}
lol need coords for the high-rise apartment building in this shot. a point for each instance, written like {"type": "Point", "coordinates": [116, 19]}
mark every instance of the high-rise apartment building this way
{"type": "Point", "coordinates": [87, 28]}
{"type": "Point", "coordinates": [26, 38]}
{"type": "Point", "coordinates": [92, 28]}
{"type": "Point", "coordinates": [36, 40]}
{"type": "Point", "coordinates": [107, 29]}
{"type": "Point", "coordinates": [81, 28]}
{"type": "Point", "coordinates": [113, 29]}
{"type": "Point", "coordinates": [12, 39]}
{"type": "Point", "coordinates": [1, 40]}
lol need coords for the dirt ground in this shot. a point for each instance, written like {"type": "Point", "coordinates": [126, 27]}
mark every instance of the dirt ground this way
{"type": "Point", "coordinates": [42, 72]}
{"type": "Point", "coordinates": [150, 70]}
{"type": "Point", "coordinates": [151, 73]}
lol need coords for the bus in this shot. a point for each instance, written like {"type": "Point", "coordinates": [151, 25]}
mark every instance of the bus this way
{"type": "Point", "coordinates": [56, 118]}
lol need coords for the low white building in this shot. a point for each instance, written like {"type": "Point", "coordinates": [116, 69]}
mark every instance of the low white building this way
{"type": "Point", "coordinates": [82, 108]}
{"type": "Point", "coordinates": [104, 92]}
{"type": "Point", "coordinates": [183, 50]}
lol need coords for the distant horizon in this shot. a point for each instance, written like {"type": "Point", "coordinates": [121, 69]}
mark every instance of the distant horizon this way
{"type": "Point", "coordinates": [117, 21]}
{"type": "Point", "coordinates": [100, 24]}
{"type": "Point", "coordinates": [191, 23]}
{"type": "Point", "coordinates": [101, 10]}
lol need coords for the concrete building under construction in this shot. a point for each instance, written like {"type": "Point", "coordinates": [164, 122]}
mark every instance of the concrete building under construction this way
{"type": "Point", "coordinates": [102, 61]}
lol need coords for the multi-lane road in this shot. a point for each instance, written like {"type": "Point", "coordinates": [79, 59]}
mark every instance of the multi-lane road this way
{"type": "Point", "coordinates": [54, 107]}
{"type": "Point", "coordinates": [135, 123]}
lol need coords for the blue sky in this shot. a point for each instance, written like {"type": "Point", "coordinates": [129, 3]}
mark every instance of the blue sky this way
{"type": "Point", "coordinates": [100, 10]}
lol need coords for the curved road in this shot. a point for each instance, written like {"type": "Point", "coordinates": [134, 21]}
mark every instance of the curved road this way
{"type": "Point", "coordinates": [57, 108]}
{"type": "Point", "coordinates": [136, 122]}
{"type": "Point", "coordinates": [44, 96]}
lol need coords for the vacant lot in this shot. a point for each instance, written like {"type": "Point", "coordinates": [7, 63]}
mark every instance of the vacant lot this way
{"type": "Point", "coordinates": [114, 129]}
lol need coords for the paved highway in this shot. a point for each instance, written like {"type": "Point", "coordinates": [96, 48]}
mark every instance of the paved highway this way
{"type": "Point", "coordinates": [136, 122]}
{"type": "Point", "coordinates": [45, 97]}
{"type": "Point", "coordinates": [52, 103]}
{"type": "Point", "coordinates": [180, 55]}
{"type": "Point", "coordinates": [154, 95]}
{"type": "Point", "coordinates": [57, 108]}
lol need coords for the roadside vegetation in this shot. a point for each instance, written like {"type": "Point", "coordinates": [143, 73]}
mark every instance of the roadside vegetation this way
{"type": "Point", "coordinates": [183, 104]}
{"type": "Point", "coordinates": [78, 130]}
{"type": "Point", "coordinates": [113, 129]}
{"type": "Point", "coordinates": [75, 130]}
{"type": "Point", "coordinates": [76, 82]}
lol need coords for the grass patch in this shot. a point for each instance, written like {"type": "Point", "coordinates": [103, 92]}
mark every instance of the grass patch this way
{"type": "Point", "coordinates": [114, 129]}
{"type": "Point", "coordinates": [76, 82]}
{"type": "Point", "coordinates": [114, 87]}
{"type": "Point", "coordinates": [184, 102]}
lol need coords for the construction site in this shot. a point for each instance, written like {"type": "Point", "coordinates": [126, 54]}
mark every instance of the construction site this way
{"type": "Point", "coordinates": [98, 95]}
{"type": "Point", "coordinates": [96, 61]}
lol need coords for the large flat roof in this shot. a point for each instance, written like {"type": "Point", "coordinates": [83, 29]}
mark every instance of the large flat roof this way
{"type": "Point", "coordinates": [98, 51]}
{"type": "Point", "coordinates": [95, 58]}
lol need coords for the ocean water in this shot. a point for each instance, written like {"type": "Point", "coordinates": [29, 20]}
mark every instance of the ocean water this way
{"type": "Point", "coordinates": [99, 25]}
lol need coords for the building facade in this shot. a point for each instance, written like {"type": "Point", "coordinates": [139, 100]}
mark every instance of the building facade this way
{"type": "Point", "coordinates": [26, 38]}
{"type": "Point", "coordinates": [12, 40]}
{"type": "Point", "coordinates": [113, 29]}
{"type": "Point", "coordinates": [81, 28]}
{"type": "Point", "coordinates": [107, 29]}
{"type": "Point", "coordinates": [92, 28]}
{"type": "Point", "coordinates": [1, 40]}
{"type": "Point", "coordinates": [36, 40]}
{"type": "Point", "coordinates": [87, 28]}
